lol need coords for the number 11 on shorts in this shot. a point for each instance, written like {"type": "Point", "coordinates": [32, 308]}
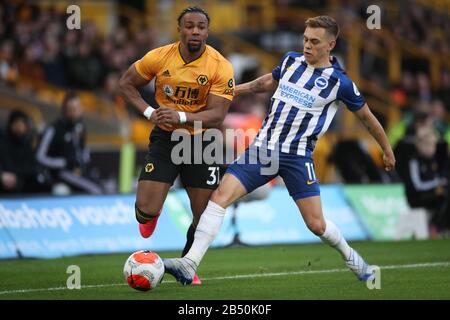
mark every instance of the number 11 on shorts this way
{"type": "Point", "coordinates": [311, 174]}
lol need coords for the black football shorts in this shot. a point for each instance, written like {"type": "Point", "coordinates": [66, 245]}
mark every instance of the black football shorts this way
{"type": "Point", "coordinates": [159, 165]}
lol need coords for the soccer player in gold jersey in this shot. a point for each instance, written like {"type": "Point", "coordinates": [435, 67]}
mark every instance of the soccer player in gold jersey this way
{"type": "Point", "coordinates": [193, 82]}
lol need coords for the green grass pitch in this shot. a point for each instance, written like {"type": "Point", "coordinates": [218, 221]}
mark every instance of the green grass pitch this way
{"type": "Point", "coordinates": [409, 270]}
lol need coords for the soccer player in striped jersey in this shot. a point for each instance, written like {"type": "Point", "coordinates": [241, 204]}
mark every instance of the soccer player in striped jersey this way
{"type": "Point", "coordinates": [308, 87]}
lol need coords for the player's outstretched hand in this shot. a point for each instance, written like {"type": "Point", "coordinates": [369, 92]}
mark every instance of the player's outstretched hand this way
{"type": "Point", "coordinates": [389, 160]}
{"type": "Point", "coordinates": [167, 116]}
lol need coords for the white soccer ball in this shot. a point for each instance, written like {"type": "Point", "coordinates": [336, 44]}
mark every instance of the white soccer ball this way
{"type": "Point", "coordinates": [144, 270]}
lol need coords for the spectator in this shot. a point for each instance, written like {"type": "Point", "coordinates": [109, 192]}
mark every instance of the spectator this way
{"type": "Point", "coordinates": [424, 86]}
{"type": "Point", "coordinates": [20, 172]}
{"type": "Point", "coordinates": [354, 163]}
{"type": "Point", "coordinates": [423, 167]}
{"type": "Point", "coordinates": [63, 149]}
{"type": "Point", "coordinates": [444, 91]}
{"type": "Point", "coordinates": [412, 120]}
{"type": "Point", "coordinates": [53, 63]}
{"type": "Point", "coordinates": [85, 63]}
{"type": "Point", "coordinates": [438, 113]}
{"type": "Point", "coordinates": [8, 67]}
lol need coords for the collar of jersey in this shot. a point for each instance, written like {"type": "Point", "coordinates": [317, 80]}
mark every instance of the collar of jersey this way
{"type": "Point", "coordinates": [188, 63]}
{"type": "Point", "coordinates": [334, 64]}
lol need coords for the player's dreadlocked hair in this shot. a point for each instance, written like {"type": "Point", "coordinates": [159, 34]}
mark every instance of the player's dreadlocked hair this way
{"type": "Point", "coordinates": [192, 9]}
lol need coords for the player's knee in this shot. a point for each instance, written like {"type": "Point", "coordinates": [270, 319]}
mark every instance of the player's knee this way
{"type": "Point", "coordinates": [222, 197]}
{"type": "Point", "coordinates": [316, 226]}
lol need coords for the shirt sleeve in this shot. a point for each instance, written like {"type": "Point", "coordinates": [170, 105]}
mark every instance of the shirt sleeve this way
{"type": "Point", "coordinates": [147, 66]}
{"type": "Point", "coordinates": [276, 72]}
{"type": "Point", "coordinates": [223, 85]}
{"type": "Point", "coordinates": [349, 94]}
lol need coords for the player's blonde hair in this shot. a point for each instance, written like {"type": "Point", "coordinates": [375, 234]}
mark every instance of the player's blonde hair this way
{"type": "Point", "coordinates": [328, 23]}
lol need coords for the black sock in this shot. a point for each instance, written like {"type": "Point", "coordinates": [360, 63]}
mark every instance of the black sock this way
{"type": "Point", "coordinates": [189, 240]}
{"type": "Point", "coordinates": [141, 216]}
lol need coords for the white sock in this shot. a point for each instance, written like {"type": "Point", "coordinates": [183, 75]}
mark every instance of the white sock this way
{"type": "Point", "coordinates": [333, 237]}
{"type": "Point", "coordinates": [207, 229]}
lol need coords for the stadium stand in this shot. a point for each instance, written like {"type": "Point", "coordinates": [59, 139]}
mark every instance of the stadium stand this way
{"type": "Point", "coordinates": [402, 69]}
{"type": "Point", "coordinates": [407, 59]}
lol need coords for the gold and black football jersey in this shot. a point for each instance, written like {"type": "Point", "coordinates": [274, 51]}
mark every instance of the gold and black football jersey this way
{"type": "Point", "coordinates": [185, 86]}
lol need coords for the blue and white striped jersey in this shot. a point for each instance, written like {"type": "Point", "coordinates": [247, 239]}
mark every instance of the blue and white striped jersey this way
{"type": "Point", "coordinates": [304, 104]}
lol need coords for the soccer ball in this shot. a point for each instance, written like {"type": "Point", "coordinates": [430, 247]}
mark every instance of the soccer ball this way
{"type": "Point", "coordinates": [144, 270]}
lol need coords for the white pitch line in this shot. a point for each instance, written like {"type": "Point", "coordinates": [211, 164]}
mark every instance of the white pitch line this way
{"type": "Point", "coordinates": [276, 274]}
{"type": "Point", "coordinates": [242, 276]}
{"type": "Point", "coordinates": [61, 288]}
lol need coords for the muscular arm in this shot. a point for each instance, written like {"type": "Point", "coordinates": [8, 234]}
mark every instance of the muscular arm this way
{"type": "Point", "coordinates": [376, 130]}
{"type": "Point", "coordinates": [214, 113]}
{"type": "Point", "coordinates": [262, 84]}
{"type": "Point", "coordinates": [211, 116]}
{"type": "Point", "coordinates": [128, 84]}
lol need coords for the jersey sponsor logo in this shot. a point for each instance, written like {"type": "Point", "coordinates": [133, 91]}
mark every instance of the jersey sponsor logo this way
{"type": "Point", "coordinates": [166, 73]}
{"type": "Point", "coordinates": [182, 92]}
{"type": "Point", "coordinates": [295, 96]}
{"type": "Point", "coordinates": [202, 80]}
{"type": "Point", "coordinates": [185, 102]}
{"type": "Point", "coordinates": [321, 83]}
{"type": "Point", "coordinates": [229, 92]}
{"type": "Point", "coordinates": [186, 96]}
{"type": "Point", "coordinates": [310, 182]}
{"type": "Point", "coordinates": [230, 83]}
{"type": "Point", "coordinates": [149, 167]}
{"type": "Point", "coordinates": [355, 89]}
{"type": "Point", "coordinates": [168, 90]}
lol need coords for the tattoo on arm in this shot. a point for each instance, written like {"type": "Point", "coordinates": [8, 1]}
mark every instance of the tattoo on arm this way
{"type": "Point", "coordinates": [370, 128]}
{"type": "Point", "coordinates": [257, 85]}
{"type": "Point", "coordinates": [376, 131]}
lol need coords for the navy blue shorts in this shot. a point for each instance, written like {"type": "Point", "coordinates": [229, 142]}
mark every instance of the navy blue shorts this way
{"type": "Point", "coordinates": [256, 167]}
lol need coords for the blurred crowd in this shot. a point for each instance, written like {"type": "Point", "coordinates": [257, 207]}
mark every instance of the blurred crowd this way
{"type": "Point", "coordinates": [423, 163]}
{"type": "Point", "coordinates": [410, 20]}
{"type": "Point", "coordinates": [415, 24]}
{"type": "Point", "coordinates": [58, 162]}
{"type": "Point", "coordinates": [35, 44]}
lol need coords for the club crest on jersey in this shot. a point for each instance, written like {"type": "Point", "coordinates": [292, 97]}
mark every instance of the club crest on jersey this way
{"type": "Point", "coordinates": [168, 90]}
{"type": "Point", "coordinates": [321, 83]}
{"type": "Point", "coordinates": [202, 80]}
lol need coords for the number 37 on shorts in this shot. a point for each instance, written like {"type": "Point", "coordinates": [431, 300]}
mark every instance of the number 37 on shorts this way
{"type": "Point", "coordinates": [214, 177]}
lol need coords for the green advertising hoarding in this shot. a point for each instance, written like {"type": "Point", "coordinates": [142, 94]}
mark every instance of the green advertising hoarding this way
{"type": "Point", "coordinates": [379, 207]}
